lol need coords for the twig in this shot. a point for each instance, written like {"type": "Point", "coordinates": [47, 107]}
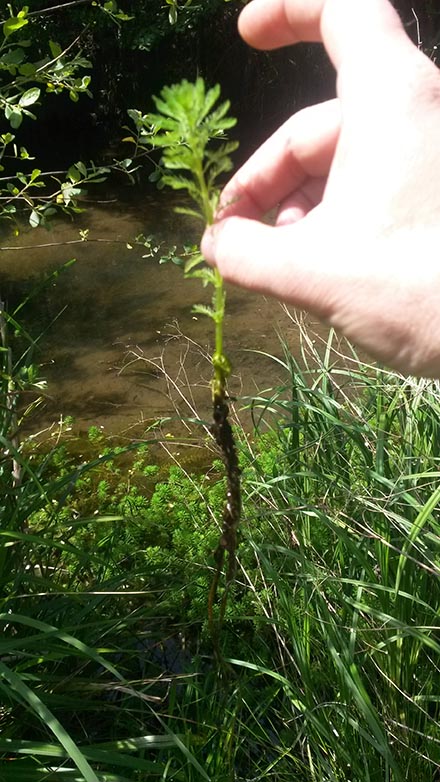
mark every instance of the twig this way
{"type": "Point", "coordinates": [419, 40]}
{"type": "Point", "coordinates": [63, 244]}
{"type": "Point", "coordinates": [59, 7]}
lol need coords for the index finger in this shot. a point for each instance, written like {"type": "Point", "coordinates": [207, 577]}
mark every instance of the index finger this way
{"type": "Point", "coordinates": [269, 24]}
{"type": "Point", "coordinates": [344, 26]}
{"type": "Point", "coordinates": [301, 149]}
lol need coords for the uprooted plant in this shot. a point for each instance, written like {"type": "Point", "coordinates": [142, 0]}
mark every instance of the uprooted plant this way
{"type": "Point", "coordinates": [190, 130]}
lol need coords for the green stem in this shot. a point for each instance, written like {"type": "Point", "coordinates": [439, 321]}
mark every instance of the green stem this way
{"type": "Point", "coordinates": [203, 188]}
{"type": "Point", "coordinates": [220, 309]}
{"type": "Point", "coordinates": [219, 360]}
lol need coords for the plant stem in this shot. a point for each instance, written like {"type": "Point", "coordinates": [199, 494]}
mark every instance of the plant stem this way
{"type": "Point", "coordinates": [220, 309]}
{"type": "Point", "coordinates": [219, 360]}
{"type": "Point", "coordinates": [223, 434]}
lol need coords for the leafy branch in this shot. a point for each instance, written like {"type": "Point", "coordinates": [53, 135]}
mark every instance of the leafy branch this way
{"type": "Point", "coordinates": [56, 72]}
{"type": "Point", "coordinates": [22, 85]}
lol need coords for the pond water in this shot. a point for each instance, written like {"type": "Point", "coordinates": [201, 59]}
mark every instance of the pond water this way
{"type": "Point", "coordinates": [123, 347]}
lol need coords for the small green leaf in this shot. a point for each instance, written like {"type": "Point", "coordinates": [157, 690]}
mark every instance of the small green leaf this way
{"type": "Point", "coordinates": [81, 168]}
{"type": "Point", "coordinates": [206, 275]}
{"type": "Point", "coordinates": [13, 56]}
{"type": "Point", "coordinates": [7, 138]}
{"type": "Point", "coordinates": [185, 210]}
{"type": "Point", "coordinates": [30, 96]}
{"type": "Point", "coordinates": [28, 69]}
{"type": "Point", "coordinates": [15, 118]}
{"type": "Point", "coordinates": [13, 24]}
{"type": "Point", "coordinates": [172, 15]}
{"type": "Point", "coordinates": [202, 309]}
{"type": "Point", "coordinates": [195, 260]}
{"type": "Point", "coordinates": [73, 174]}
{"type": "Point", "coordinates": [34, 219]}
{"type": "Point", "coordinates": [55, 49]}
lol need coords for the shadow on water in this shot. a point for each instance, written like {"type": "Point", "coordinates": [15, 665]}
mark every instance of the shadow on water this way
{"type": "Point", "coordinates": [113, 305]}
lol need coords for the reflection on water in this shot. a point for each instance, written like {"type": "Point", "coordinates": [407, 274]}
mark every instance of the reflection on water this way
{"type": "Point", "coordinates": [116, 305]}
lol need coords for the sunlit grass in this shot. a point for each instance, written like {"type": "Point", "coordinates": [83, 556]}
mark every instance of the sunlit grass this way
{"type": "Point", "coordinates": [356, 585]}
{"type": "Point", "coordinates": [330, 641]}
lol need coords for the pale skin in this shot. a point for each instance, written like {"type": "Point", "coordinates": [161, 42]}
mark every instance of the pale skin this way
{"type": "Point", "coordinates": [356, 182]}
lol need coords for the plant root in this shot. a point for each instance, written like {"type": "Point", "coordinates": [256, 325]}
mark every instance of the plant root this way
{"type": "Point", "coordinates": [222, 432]}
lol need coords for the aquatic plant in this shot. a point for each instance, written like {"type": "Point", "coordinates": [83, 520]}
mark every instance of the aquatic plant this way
{"type": "Point", "coordinates": [189, 128]}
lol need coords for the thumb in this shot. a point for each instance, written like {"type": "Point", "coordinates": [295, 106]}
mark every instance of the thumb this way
{"type": "Point", "coordinates": [284, 261]}
{"type": "Point", "coordinates": [356, 32]}
{"type": "Point", "coordinates": [345, 27]}
{"type": "Point", "coordinates": [374, 294]}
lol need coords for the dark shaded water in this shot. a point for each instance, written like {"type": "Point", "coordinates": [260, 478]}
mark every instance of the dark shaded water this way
{"type": "Point", "coordinates": [113, 306]}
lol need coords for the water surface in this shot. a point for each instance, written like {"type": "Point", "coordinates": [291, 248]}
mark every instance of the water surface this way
{"type": "Point", "coordinates": [113, 305]}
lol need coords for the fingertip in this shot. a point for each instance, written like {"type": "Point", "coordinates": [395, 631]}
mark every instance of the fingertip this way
{"type": "Point", "coordinates": [268, 24]}
{"type": "Point", "coordinates": [263, 25]}
{"type": "Point", "coordinates": [207, 245]}
{"type": "Point", "coordinates": [353, 31]}
{"type": "Point", "coordinates": [287, 262]}
{"type": "Point", "coordinates": [250, 254]}
{"type": "Point", "coordinates": [346, 28]}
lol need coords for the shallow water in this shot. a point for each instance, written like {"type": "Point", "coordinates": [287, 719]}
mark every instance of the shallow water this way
{"type": "Point", "coordinates": [113, 306]}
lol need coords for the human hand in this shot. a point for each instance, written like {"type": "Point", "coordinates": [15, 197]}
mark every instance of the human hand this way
{"type": "Point", "coordinates": [356, 182]}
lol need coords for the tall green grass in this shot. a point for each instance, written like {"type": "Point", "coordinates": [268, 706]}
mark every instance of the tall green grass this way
{"type": "Point", "coordinates": [66, 698]}
{"type": "Point", "coordinates": [355, 588]}
{"type": "Point", "coordinates": [331, 644]}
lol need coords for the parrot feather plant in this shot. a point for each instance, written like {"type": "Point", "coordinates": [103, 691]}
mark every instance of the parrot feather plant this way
{"type": "Point", "coordinates": [189, 128]}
